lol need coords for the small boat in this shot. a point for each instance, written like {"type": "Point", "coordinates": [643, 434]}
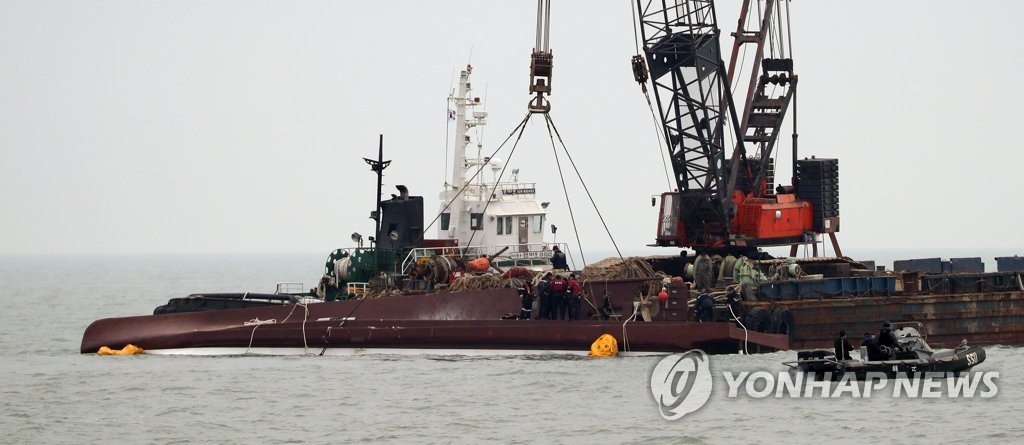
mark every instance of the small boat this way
{"type": "Point", "coordinates": [911, 356]}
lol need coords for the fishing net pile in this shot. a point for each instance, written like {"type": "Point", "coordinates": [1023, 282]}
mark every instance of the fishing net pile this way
{"type": "Point", "coordinates": [616, 268]}
{"type": "Point", "coordinates": [381, 292]}
{"type": "Point", "coordinates": [485, 281]}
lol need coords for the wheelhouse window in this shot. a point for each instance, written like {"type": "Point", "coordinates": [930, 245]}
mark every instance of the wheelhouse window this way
{"type": "Point", "coordinates": [501, 225]}
{"type": "Point", "coordinates": [476, 221]}
{"type": "Point", "coordinates": [446, 219]}
{"type": "Point", "coordinates": [669, 215]}
{"type": "Point", "coordinates": [508, 225]}
{"type": "Point", "coordinates": [538, 223]}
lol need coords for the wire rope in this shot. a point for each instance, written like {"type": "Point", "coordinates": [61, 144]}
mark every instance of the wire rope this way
{"type": "Point", "coordinates": [586, 189]}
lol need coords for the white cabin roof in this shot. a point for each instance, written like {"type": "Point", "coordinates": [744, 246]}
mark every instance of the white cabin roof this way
{"type": "Point", "coordinates": [515, 208]}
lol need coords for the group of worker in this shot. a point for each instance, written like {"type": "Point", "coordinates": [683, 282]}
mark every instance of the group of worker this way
{"type": "Point", "coordinates": [559, 296]}
{"type": "Point", "coordinates": [882, 347]}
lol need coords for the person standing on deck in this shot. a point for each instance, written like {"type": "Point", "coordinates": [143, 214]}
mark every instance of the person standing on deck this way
{"type": "Point", "coordinates": [558, 259]}
{"type": "Point", "coordinates": [558, 287]}
{"type": "Point", "coordinates": [526, 294]}
{"type": "Point", "coordinates": [573, 298]}
{"type": "Point", "coordinates": [544, 293]}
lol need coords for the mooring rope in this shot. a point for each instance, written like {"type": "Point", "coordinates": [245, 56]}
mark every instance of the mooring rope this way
{"type": "Point", "coordinates": [584, 285]}
{"type": "Point", "coordinates": [255, 323]}
{"type": "Point", "coordinates": [742, 326]}
{"type": "Point", "coordinates": [324, 337]}
{"type": "Point", "coordinates": [625, 338]}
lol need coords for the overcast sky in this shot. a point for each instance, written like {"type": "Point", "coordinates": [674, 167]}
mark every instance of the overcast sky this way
{"type": "Point", "coordinates": [240, 126]}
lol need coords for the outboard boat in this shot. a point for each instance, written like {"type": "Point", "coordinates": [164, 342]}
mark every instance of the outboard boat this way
{"type": "Point", "coordinates": [911, 355]}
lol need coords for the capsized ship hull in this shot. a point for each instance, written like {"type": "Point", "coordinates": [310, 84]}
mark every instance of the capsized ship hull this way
{"type": "Point", "coordinates": [467, 320]}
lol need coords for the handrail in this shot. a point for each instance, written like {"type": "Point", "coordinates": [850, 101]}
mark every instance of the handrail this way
{"type": "Point", "coordinates": [289, 287]}
{"type": "Point", "coordinates": [515, 252]}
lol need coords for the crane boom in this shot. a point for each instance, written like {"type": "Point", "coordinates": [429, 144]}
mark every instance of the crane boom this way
{"type": "Point", "coordinates": [724, 200]}
{"type": "Point", "coordinates": [681, 45]}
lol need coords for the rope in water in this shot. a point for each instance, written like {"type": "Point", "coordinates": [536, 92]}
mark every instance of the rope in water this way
{"type": "Point", "coordinates": [742, 326]}
{"type": "Point", "coordinates": [256, 323]}
{"type": "Point", "coordinates": [625, 338]}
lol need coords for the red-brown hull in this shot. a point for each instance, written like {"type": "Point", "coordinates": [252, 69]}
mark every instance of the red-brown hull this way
{"type": "Point", "coordinates": [547, 335]}
{"type": "Point", "coordinates": [464, 320]}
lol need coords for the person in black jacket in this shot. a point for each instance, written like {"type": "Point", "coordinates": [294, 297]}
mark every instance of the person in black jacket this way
{"type": "Point", "coordinates": [526, 294]}
{"type": "Point", "coordinates": [843, 347]}
{"type": "Point", "coordinates": [558, 259]}
{"type": "Point", "coordinates": [544, 293]}
{"type": "Point", "coordinates": [874, 354]}
{"type": "Point", "coordinates": [887, 341]}
{"type": "Point", "coordinates": [573, 297]}
{"type": "Point", "coordinates": [559, 285]}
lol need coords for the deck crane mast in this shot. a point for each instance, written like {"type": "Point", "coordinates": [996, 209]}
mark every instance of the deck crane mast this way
{"type": "Point", "coordinates": [724, 201]}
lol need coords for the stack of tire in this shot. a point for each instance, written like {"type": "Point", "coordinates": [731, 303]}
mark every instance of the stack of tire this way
{"type": "Point", "coordinates": [770, 321]}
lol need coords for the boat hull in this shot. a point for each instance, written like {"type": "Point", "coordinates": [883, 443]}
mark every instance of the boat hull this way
{"type": "Point", "coordinates": [458, 320]}
{"type": "Point", "coordinates": [961, 360]}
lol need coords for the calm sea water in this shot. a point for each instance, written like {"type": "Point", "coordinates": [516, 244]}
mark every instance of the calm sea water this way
{"type": "Point", "coordinates": [52, 394]}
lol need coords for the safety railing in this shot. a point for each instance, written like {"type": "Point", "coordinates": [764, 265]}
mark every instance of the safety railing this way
{"type": "Point", "coordinates": [524, 255]}
{"type": "Point", "coordinates": [357, 289]}
{"type": "Point", "coordinates": [289, 287]}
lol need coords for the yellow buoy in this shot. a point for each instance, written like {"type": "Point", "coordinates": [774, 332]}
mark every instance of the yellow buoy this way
{"type": "Point", "coordinates": [604, 346]}
{"type": "Point", "coordinates": [129, 349]}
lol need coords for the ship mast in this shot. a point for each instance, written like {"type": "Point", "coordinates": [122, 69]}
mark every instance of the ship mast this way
{"type": "Point", "coordinates": [459, 158]}
{"type": "Point", "coordinates": [464, 103]}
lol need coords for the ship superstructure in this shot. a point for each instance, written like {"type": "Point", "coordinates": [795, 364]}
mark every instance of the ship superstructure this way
{"type": "Point", "coordinates": [482, 208]}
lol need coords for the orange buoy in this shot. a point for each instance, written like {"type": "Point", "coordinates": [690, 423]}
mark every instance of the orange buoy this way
{"type": "Point", "coordinates": [478, 265]}
{"type": "Point", "coordinates": [604, 346]}
{"type": "Point", "coordinates": [129, 349]}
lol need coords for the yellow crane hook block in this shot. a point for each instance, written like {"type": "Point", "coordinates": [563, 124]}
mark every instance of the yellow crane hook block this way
{"type": "Point", "coordinates": [604, 346]}
{"type": "Point", "coordinates": [129, 349]}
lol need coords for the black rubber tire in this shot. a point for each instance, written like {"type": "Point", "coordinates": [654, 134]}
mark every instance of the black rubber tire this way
{"type": "Point", "coordinates": [783, 322]}
{"type": "Point", "coordinates": [758, 319]}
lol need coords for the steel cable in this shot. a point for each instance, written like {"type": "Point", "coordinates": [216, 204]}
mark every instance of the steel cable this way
{"type": "Point", "coordinates": [470, 180]}
{"type": "Point", "coordinates": [552, 127]}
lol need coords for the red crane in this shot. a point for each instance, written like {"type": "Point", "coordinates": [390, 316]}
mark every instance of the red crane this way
{"type": "Point", "coordinates": [722, 156]}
